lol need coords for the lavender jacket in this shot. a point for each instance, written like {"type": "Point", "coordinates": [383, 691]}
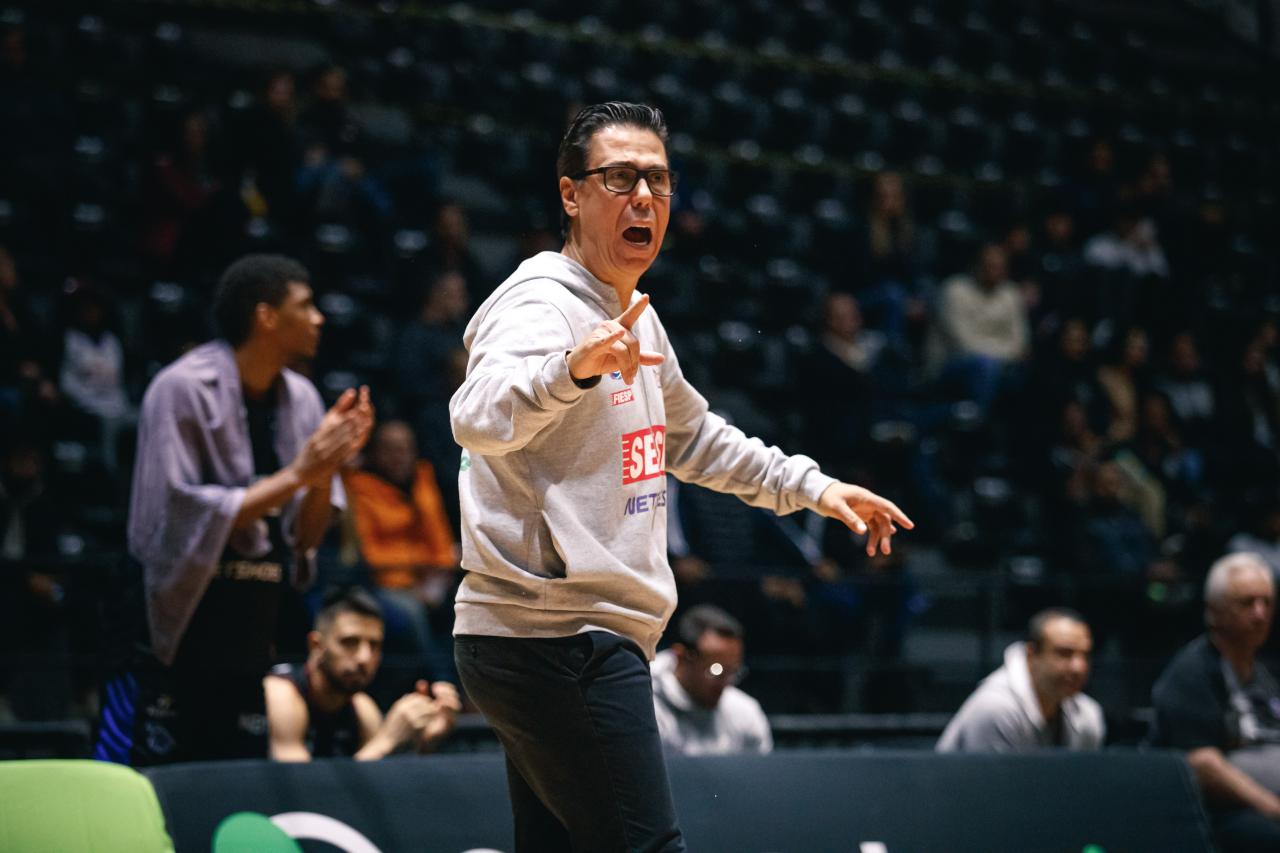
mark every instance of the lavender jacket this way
{"type": "Point", "coordinates": [195, 461]}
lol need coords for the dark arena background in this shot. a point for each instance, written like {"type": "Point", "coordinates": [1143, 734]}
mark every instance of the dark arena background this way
{"type": "Point", "coordinates": [850, 174]}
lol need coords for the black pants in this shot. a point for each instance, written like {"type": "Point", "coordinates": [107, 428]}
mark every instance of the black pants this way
{"type": "Point", "coordinates": [1246, 831]}
{"type": "Point", "coordinates": [584, 760]}
{"type": "Point", "coordinates": [152, 714]}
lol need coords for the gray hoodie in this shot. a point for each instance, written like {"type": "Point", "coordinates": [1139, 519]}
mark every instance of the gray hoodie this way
{"type": "Point", "coordinates": [563, 493]}
{"type": "Point", "coordinates": [1003, 715]}
{"type": "Point", "coordinates": [736, 724]}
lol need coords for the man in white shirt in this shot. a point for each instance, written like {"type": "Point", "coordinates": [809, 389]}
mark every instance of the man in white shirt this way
{"type": "Point", "coordinates": [700, 711]}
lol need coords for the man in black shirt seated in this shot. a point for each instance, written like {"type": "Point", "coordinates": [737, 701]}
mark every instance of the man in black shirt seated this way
{"type": "Point", "coordinates": [320, 709]}
{"type": "Point", "coordinates": [1219, 703]}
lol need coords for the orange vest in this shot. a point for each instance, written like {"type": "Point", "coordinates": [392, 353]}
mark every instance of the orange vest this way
{"type": "Point", "coordinates": [401, 536]}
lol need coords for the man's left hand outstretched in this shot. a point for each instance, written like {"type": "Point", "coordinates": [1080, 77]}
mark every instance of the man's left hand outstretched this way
{"type": "Point", "coordinates": [864, 511]}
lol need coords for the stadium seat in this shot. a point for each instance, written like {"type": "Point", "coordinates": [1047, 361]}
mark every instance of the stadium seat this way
{"type": "Point", "coordinates": [85, 806]}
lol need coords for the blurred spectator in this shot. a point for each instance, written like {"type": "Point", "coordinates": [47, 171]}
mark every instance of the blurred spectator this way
{"type": "Point", "coordinates": [31, 100]}
{"type": "Point", "coordinates": [1123, 377]}
{"type": "Point", "coordinates": [1075, 453]}
{"type": "Point", "coordinates": [92, 372]}
{"type": "Point", "coordinates": [23, 377]}
{"type": "Point", "coordinates": [327, 119]}
{"type": "Point", "coordinates": [700, 709]}
{"type": "Point", "coordinates": [1163, 451]}
{"type": "Point", "coordinates": [1016, 243]}
{"type": "Point", "coordinates": [1059, 268]}
{"type": "Point", "coordinates": [1217, 701]}
{"type": "Point", "coordinates": [177, 186]}
{"type": "Point", "coordinates": [334, 183]}
{"type": "Point", "coordinates": [1262, 536]}
{"type": "Point", "coordinates": [1035, 700]}
{"type": "Point", "coordinates": [1128, 585]}
{"type": "Point", "coordinates": [710, 532]}
{"type": "Point", "coordinates": [1068, 373]}
{"type": "Point", "coordinates": [1207, 257]}
{"type": "Point", "coordinates": [450, 251]}
{"type": "Point", "coordinates": [862, 604]}
{"type": "Point", "coordinates": [320, 709]}
{"type": "Point", "coordinates": [1154, 196]}
{"type": "Point", "coordinates": [890, 254]}
{"type": "Point", "coordinates": [1130, 245]}
{"type": "Point", "coordinates": [840, 386]}
{"type": "Point", "coordinates": [29, 518]}
{"type": "Point", "coordinates": [406, 538]}
{"type": "Point", "coordinates": [983, 326]}
{"type": "Point", "coordinates": [30, 595]}
{"type": "Point", "coordinates": [1096, 187]}
{"type": "Point", "coordinates": [47, 610]}
{"type": "Point", "coordinates": [1247, 426]}
{"type": "Point", "coordinates": [17, 100]}
{"type": "Point", "coordinates": [1187, 387]}
{"type": "Point", "coordinates": [268, 143]}
{"type": "Point", "coordinates": [1021, 262]}
{"type": "Point", "coordinates": [431, 363]}
{"type": "Point", "coordinates": [1114, 540]}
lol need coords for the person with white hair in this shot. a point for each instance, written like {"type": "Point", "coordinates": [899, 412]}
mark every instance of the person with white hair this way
{"type": "Point", "coordinates": [1216, 701]}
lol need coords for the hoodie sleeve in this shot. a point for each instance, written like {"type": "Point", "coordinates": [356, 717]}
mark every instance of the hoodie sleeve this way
{"type": "Point", "coordinates": [705, 449]}
{"type": "Point", "coordinates": [518, 380]}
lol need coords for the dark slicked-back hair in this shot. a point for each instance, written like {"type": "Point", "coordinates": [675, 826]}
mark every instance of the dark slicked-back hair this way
{"type": "Point", "coordinates": [346, 600]}
{"type": "Point", "coordinates": [704, 618]}
{"type": "Point", "coordinates": [1035, 628]}
{"type": "Point", "coordinates": [247, 282]}
{"type": "Point", "coordinates": [576, 144]}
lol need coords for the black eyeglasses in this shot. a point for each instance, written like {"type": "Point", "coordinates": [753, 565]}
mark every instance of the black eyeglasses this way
{"type": "Point", "coordinates": [623, 179]}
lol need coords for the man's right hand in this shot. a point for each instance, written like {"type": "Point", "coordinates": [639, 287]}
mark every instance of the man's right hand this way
{"type": "Point", "coordinates": [611, 346]}
{"type": "Point", "coordinates": [408, 718]}
{"type": "Point", "coordinates": [341, 434]}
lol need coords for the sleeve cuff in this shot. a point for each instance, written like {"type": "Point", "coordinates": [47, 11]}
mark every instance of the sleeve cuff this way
{"type": "Point", "coordinates": [560, 382]}
{"type": "Point", "coordinates": [584, 384]}
{"type": "Point", "coordinates": [814, 485]}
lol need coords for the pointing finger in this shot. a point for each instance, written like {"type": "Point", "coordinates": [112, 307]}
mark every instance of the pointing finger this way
{"type": "Point", "coordinates": [629, 317]}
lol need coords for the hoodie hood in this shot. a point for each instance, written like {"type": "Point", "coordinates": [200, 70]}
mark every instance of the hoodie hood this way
{"type": "Point", "coordinates": [1015, 664]}
{"type": "Point", "coordinates": [545, 270]}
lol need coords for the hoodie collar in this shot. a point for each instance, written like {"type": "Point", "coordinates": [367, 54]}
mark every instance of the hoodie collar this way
{"type": "Point", "coordinates": [580, 280]}
{"type": "Point", "coordinates": [1015, 663]}
{"type": "Point", "coordinates": [668, 687]}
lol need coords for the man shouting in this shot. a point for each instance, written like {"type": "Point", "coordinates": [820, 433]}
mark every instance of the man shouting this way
{"type": "Point", "coordinates": [573, 410]}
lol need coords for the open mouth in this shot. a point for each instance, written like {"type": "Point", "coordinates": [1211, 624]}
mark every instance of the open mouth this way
{"type": "Point", "coordinates": [638, 235]}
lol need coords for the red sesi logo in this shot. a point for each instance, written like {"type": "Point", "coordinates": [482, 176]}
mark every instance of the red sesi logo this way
{"type": "Point", "coordinates": [626, 395]}
{"type": "Point", "coordinates": [644, 454]}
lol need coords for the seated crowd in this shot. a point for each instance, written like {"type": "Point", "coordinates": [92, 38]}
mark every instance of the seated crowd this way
{"type": "Point", "coordinates": [1089, 377]}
